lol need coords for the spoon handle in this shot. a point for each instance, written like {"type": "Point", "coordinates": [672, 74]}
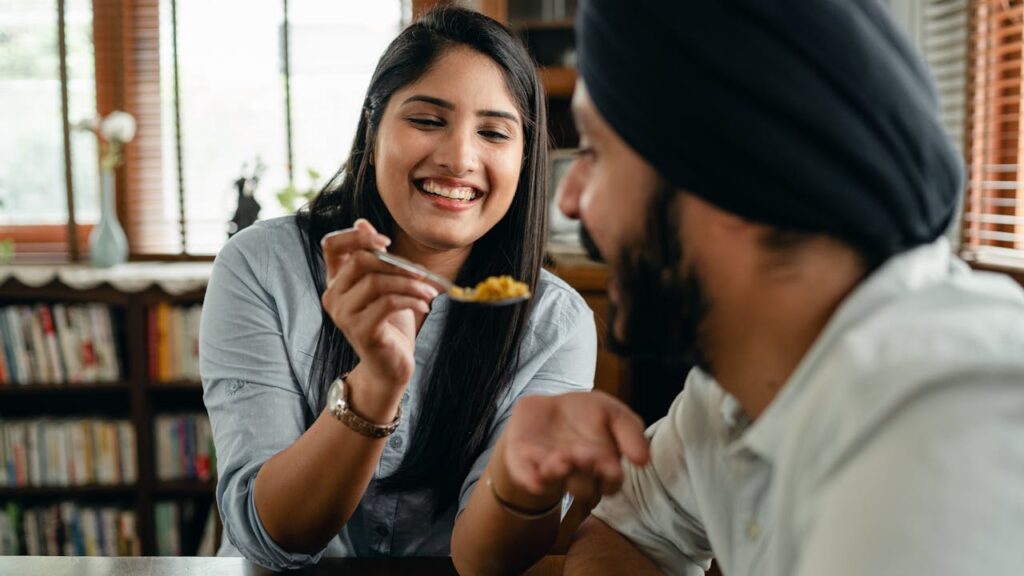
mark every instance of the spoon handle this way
{"type": "Point", "coordinates": [408, 266]}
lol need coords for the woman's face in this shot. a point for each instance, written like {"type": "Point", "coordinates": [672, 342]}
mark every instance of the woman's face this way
{"type": "Point", "coordinates": [448, 153]}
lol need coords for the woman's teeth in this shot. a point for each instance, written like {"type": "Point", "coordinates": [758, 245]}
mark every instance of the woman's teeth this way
{"type": "Point", "coordinates": [459, 193]}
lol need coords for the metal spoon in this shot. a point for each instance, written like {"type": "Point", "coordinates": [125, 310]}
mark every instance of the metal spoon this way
{"type": "Point", "coordinates": [463, 295]}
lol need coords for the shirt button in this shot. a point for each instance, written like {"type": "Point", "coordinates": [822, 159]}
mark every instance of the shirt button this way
{"type": "Point", "coordinates": [382, 530]}
{"type": "Point", "coordinates": [753, 530]}
{"type": "Point", "coordinates": [396, 442]}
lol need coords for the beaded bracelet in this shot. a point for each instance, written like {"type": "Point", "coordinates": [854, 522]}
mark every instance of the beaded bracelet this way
{"type": "Point", "coordinates": [518, 511]}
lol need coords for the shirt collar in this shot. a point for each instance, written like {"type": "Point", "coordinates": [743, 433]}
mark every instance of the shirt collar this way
{"type": "Point", "coordinates": [907, 272]}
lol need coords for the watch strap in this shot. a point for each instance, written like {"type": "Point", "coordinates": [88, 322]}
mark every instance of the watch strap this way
{"type": "Point", "coordinates": [339, 407]}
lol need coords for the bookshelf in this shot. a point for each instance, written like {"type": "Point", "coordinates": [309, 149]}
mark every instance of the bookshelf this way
{"type": "Point", "coordinates": [144, 395]}
{"type": "Point", "coordinates": [135, 398]}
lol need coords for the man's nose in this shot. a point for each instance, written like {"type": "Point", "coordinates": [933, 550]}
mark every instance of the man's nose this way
{"type": "Point", "coordinates": [568, 193]}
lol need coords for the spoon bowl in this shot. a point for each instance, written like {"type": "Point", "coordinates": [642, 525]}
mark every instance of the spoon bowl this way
{"type": "Point", "coordinates": [457, 293]}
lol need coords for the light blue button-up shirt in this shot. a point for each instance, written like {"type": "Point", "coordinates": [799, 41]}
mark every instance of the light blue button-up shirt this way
{"type": "Point", "coordinates": [895, 448]}
{"type": "Point", "coordinates": [261, 318]}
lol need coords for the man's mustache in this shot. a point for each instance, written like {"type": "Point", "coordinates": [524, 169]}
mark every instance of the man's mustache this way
{"type": "Point", "coordinates": [588, 244]}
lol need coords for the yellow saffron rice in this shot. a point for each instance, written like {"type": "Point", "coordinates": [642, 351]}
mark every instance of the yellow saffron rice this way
{"type": "Point", "coordinates": [494, 288]}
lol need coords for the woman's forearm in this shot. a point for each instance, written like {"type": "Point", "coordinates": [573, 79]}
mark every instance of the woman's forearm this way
{"type": "Point", "coordinates": [307, 492]}
{"type": "Point", "coordinates": [487, 539]}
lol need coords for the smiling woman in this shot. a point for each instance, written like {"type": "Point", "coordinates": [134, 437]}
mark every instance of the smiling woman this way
{"type": "Point", "coordinates": [354, 408]}
{"type": "Point", "coordinates": [448, 153]}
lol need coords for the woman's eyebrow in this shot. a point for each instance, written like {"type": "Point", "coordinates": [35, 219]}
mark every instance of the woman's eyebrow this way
{"type": "Point", "coordinates": [441, 103]}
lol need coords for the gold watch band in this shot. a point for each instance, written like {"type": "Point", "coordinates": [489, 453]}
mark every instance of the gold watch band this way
{"type": "Point", "coordinates": [338, 405]}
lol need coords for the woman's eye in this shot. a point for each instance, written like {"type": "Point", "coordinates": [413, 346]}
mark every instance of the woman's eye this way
{"type": "Point", "coordinates": [492, 135]}
{"type": "Point", "coordinates": [431, 122]}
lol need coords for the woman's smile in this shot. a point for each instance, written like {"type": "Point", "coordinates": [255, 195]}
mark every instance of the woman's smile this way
{"type": "Point", "coordinates": [447, 194]}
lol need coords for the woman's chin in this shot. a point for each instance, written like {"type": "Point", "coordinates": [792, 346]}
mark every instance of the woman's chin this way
{"type": "Point", "coordinates": [442, 243]}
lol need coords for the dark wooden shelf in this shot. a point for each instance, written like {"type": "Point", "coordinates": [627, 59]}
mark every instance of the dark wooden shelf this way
{"type": "Point", "coordinates": [186, 385]}
{"type": "Point", "coordinates": [538, 24]}
{"type": "Point", "coordinates": [9, 390]}
{"type": "Point", "coordinates": [67, 492]}
{"type": "Point", "coordinates": [558, 82]}
{"type": "Point", "coordinates": [184, 487]}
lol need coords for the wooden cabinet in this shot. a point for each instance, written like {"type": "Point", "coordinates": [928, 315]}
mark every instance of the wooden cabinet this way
{"type": "Point", "coordinates": [591, 281]}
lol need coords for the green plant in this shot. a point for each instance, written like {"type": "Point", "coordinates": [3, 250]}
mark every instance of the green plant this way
{"type": "Point", "coordinates": [6, 247]}
{"type": "Point", "coordinates": [291, 198]}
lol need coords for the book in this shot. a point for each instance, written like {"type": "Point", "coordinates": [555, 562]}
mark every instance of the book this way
{"type": "Point", "coordinates": [16, 333]}
{"type": "Point", "coordinates": [69, 345]}
{"type": "Point", "coordinates": [106, 350]}
{"type": "Point", "coordinates": [53, 354]}
{"type": "Point", "coordinates": [80, 322]}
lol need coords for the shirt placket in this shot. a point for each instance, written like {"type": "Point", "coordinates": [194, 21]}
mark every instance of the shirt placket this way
{"type": "Point", "coordinates": [750, 523]}
{"type": "Point", "coordinates": [385, 505]}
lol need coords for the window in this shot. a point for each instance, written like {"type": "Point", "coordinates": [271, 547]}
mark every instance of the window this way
{"type": "Point", "coordinates": [33, 178]}
{"type": "Point", "coordinates": [993, 224]}
{"type": "Point", "coordinates": [974, 49]}
{"type": "Point", "coordinates": [215, 88]}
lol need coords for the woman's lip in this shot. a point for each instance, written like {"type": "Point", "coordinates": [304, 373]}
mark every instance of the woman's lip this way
{"type": "Point", "coordinates": [450, 183]}
{"type": "Point", "coordinates": [449, 204]}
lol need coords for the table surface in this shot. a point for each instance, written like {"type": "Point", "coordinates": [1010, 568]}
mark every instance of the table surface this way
{"type": "Point", "coordinates": [94, 566]}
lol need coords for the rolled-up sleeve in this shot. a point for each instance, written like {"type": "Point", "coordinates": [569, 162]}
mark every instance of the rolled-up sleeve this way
{"type": "Point", "coordinates": [569, 341]}
{"type": "Point", "coordinates": [255, 403]}
{"type": "Point", "coordinates": [656, 509]}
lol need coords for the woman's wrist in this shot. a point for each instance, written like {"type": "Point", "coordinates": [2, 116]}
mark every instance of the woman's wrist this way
{"type": "Point", "coordinates": [371, 397]}
{"type": "Point", "coordinates": [512, 498]}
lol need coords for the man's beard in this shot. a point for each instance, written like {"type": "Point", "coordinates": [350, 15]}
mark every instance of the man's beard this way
{"type": "Point", "coordinates": [661, 298]}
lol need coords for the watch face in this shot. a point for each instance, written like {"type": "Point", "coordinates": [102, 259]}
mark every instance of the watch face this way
{"type": "Point", "coordinates": [336, 397]}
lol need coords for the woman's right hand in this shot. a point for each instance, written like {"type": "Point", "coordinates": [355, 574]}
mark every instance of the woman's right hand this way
{"type": "Point", "coordinates": [373, 304]}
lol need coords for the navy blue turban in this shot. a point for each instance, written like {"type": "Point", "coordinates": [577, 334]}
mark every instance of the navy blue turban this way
{"type": "Point", "coordinates": [810, 115]}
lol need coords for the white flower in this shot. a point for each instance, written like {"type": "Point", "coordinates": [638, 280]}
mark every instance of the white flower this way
{"type": "Point", "coordinates": [87, 124]}
{"type": "Point", "coordinates": [118, 127]}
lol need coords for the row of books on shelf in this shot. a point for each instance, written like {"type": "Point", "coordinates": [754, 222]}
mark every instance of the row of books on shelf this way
{"type": "Point", "coordinates": [174, 342]}
{"type": "Point", "coordinates": [185, 528]}
{"type": "Point", "coordinates": [68, 529]}
{"type": "Point", "coordinates": [184, 447]}
{"type": "Point", "coordinates": [67, 452]}
{"type": "Point", "coordinates": [58, 344]}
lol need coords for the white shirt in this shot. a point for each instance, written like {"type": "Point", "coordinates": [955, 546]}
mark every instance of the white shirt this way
{"type": "Point", "coordinates": [896, 447]}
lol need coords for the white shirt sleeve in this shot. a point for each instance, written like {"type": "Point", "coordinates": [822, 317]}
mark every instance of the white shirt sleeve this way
{"type": "Point", "coordinates": [935, 490]}
{"type": "Point", "coordinates": [656, 510]}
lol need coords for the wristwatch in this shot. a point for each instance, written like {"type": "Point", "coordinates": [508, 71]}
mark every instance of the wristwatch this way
{"type": "Point", "coordinates": [337, 404]}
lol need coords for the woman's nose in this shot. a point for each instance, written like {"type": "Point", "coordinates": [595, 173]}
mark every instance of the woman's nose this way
{"type": "Point", "coordinates": [457, 152]}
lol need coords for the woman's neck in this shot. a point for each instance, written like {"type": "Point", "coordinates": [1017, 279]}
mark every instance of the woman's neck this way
{"type": "Point", "coordinates": [447, 263]}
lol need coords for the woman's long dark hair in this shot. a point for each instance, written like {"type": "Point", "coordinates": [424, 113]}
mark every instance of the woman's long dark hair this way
{"type": "Point", "coordinates": [477, 354]}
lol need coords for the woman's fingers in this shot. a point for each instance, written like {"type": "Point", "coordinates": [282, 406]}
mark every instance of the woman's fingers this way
{"type": "Point", "coordinates": [338, 245]}
{"type": "Point", "coordinates": [357, 265]}
{"type": "Point", "coordinates": [374, 315]}
{"type": "Point", "coordinates": [373, 286]}
{"type": "Point", "coordinates": [628, 430]}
